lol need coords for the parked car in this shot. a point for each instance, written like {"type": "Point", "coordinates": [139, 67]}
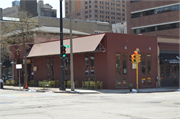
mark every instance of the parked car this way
{"type": "Point", "coordinates": [1, 84]}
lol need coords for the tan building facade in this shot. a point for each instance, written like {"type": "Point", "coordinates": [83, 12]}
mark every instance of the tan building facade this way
{"type": "Point", "coordinates": [112, 11]}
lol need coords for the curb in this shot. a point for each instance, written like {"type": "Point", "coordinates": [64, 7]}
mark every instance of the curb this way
{"type": "Point", "coordinates": [77, 92]}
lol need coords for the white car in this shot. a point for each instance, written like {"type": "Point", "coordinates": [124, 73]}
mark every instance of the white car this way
{"type": "Point", "coordinates": [1, 84]}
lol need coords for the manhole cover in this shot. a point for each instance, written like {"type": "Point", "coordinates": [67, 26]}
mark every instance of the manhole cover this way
{"type": "Point", "coordinates": [153, 102]}
{"type": "Point", "coordinates": [6, 102]}
{"type": "Point", "coordinates": [177, 103]}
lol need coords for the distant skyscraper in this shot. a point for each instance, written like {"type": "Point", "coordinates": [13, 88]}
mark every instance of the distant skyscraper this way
{"type": "Point", "coordinates": [112, 11]}
{"type": "Point", "coordinates": [14, 3]}
{"type": "Point", "coordinates": [29, 6]}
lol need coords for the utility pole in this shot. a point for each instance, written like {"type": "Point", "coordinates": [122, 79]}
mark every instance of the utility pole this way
{"type": "Point", "coordinates": [71, 48]}
{"type": "Point", "coordinates": [61, 49]}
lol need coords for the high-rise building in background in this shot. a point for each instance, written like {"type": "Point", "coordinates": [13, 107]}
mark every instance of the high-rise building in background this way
{"type": "Point", "coordinates": [112, 11]}
{"type": "Point", "coordinates": [153, 17]}
{"type": "Point", "coordinates": [29, 6]}
{"type": "Point", "coordinates": [14, 3]}
{"type": "Point", "coordinates": [35, 9]}
{"type": "Point", "coordinates": [45, 9]}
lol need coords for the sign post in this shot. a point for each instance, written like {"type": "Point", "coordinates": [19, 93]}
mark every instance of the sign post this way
{"type": "Point", "coordinates": [19, 66]}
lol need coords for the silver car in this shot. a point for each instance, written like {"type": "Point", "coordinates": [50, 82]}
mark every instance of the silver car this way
{"type": "Point", "coordinates": [1, 84]}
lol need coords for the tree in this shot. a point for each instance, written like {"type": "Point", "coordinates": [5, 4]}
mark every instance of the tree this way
{"type": "Point", "coordinates": [17, 32]}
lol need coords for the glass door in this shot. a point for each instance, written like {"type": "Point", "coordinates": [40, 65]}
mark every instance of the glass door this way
{"type": "Point", "coordinates": [89, 68]}
{"type": "Point", "coordinates": [121, 70]}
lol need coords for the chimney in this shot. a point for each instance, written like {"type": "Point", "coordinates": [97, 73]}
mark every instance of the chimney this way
{"type": "Point", "coordinates": [0, 13]}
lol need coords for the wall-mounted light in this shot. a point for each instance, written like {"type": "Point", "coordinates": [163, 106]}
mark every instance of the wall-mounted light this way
{"type": "Point", "coordinates": [149, 48]}
{"type": "Point", "coordinates": [125, 47]}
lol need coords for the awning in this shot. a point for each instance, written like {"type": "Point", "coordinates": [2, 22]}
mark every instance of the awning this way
{"type": "Point", "coordinates": [80, 45]}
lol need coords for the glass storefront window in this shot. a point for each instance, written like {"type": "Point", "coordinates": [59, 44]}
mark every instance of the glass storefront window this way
{"type": "Point", "coordinates": [143, 64]}
{"type": "Point", "coordinates": [92, 65]}
{"type": "Point", "coordinates": [118, 64]}
{"type": "Point", "coordinates": [149, 64]}
{"type": "Point", "coordinates": [86, 60]}
{"type": "Point", "coordinates": [124, 81]}
{"type": "Point", "coordinates": [167, 71]}
{"type": "Point", "coordinates": [174, 70]}
{"type": "Point", "coordinates": [52, 67]}
{"type": "Point", "coordinates": [118, 81]}
{"type": "Point", "coordinates": [125, 64]}
{"type": "Point", "coordinates": [48, 67]}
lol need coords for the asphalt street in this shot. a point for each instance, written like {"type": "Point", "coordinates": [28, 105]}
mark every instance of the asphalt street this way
{"type": "Point", "coordinates": [36, 105]}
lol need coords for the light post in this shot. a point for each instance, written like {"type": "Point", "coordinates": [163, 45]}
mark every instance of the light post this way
{"type": "Point", "coordinates": [61, 48]}
{"type": "Point", "coordinates": [13, 70]}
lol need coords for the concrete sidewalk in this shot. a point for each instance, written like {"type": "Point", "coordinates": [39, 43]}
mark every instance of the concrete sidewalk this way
{"type": "Point", "coordinates": [89, 91]}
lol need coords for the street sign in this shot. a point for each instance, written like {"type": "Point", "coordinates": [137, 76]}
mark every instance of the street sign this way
{"type": "Point", "coordinates": [67, 46]}
{"type": "Point", "coordinates": [18, 66]}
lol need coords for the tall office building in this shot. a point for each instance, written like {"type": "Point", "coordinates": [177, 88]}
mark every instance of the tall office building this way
{"type": "Point", "coordinates": [153, 17]}
{"type": "Point", "coordinates": [14, 3]}
{"type": "Point", "coordinates": [29, 6]}
{"type": "Point", "coordinates": [112, 11]}
{"type": "Point", "coordinates": [45, 9]}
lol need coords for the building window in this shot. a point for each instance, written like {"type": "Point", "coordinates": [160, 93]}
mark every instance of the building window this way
{"type": "Point", "coordinates": [118, 64]}
{"type": "Point", "coordinates": [86, 12]}
{"type": "Point", "coordinates": [89, 6]}
{"type": "Point", "coordinates": [95, 6]}
{"type": "Point", "coordinates": [123, 10]}
{"type": "Point", "coordinates": [86, 7]}
{"type": "Point", "coordinates": [95, 1]}
{"type": "Point", "coordinates": [52, 67]}
{"type": "Point", "coordinates": [86, 2]}
{"type": "Point", "coordinates": [86, 16]}
{"type": "Point", "coordinates": [123, 6]}
{"type": "Point", "coordinates": [48, 67]}
{"type": "Point", "coordinates": [155, 28]}
{"type": "Point", "coordinates": [96, 11]}
{"type": "Point", "coordinates": [118, 13]}
{"type": "Point", "coordinates": [155, 11]}
{"type": "Point", "coordinates": [92, 69]}
{"type": "Point", "coordinates": [78, 14]}
{"type": "Point", "coordinates": [86, 60]}
{"type": "Point", "coordinates": [143, 64]}
{"type": "Point", "coordinates": [96, 15]}
{"type": "Point", "coordinates": [149, 64]}
{"type": "Point", "coordinates": [118, 5]}
{"type": "Point", "coordinates": [118, 9]}
{"type": "Point", "coordinates": [124, 64]}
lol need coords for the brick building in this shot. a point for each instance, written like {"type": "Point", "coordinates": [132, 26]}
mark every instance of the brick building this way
{"type": "Point", "coordinates": [106, 59]}
{"type": "Point", "coordinates": [112, 11]}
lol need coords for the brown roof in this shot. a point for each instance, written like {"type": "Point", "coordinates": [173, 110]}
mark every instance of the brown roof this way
{"type": "Point", "coordinates": [81, 44]}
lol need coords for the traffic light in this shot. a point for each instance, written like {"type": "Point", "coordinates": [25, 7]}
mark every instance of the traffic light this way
{"type": "Point", "coordinates": [64, 51]}
{"type": "Point", "coordinates": [133, 58]}
{"type": "Point", "coordinates": [138, 58]}
{"type": "Point", "coordinates": [67, 61]}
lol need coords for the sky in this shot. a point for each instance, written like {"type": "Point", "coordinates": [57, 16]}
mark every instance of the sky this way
{"type": "Point", "coordinates": [53, 3]}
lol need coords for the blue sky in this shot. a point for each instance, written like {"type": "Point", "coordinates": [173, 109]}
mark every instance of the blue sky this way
{"type": "Point", "coordinates": [53, 3]}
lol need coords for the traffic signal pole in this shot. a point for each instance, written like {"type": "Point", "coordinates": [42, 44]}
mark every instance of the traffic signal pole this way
{"type": "Point", "coordinates": [61, 49]}
{"type": "Point", "coordinates": [136, 58]}
{"type": "Point", "coordinates": [137, 76]}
